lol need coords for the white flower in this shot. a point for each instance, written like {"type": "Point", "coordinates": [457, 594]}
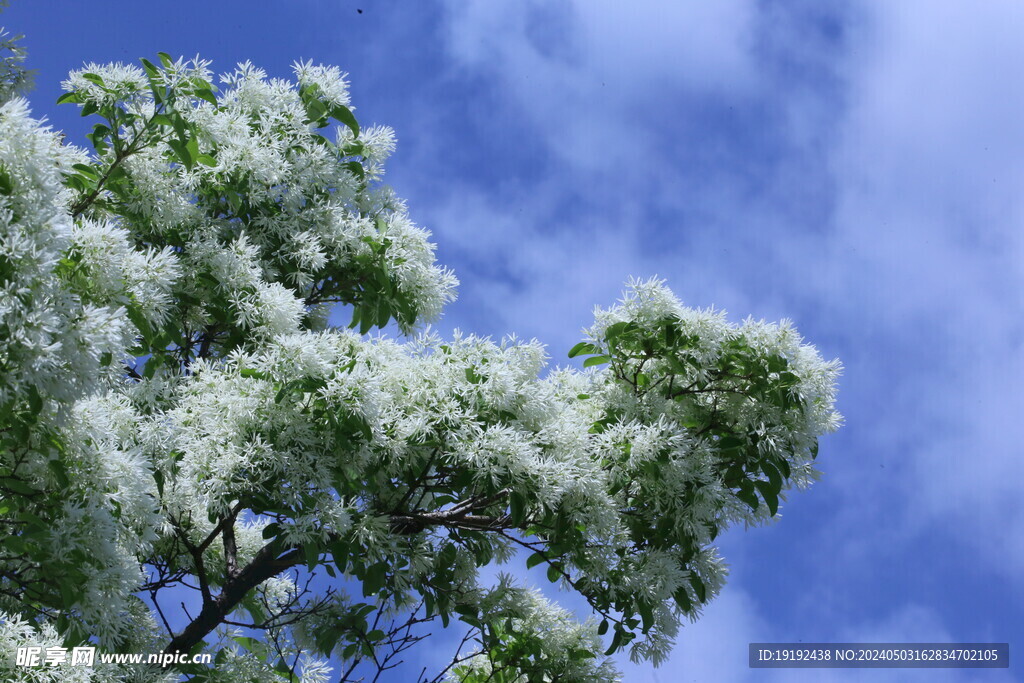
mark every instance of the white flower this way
{"type": "Point", "coordinates": [330, 81]}
{"type": "Point", "coordinates": [107, 83]}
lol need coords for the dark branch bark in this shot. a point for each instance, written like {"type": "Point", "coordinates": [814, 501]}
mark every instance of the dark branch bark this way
{"type": "Point", "coordinates": [267, 563]}
{"type": "Point", "coordinates": [270, 561]}
{"type": "Point", "coordinates": [230, 550]}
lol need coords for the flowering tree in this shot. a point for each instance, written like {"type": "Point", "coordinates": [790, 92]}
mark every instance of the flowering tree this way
{"type": "Point", "coordinates": [15, 79]}
{"type": "Point", "coordinates": [180, 423]}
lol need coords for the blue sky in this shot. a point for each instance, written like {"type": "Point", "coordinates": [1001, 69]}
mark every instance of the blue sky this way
{"type": "Point", "coordinates": [856, 167]}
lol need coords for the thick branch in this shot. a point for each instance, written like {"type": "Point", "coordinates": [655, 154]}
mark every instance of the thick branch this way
{"type": "Point", "coordinates": [230, 550]}
{"type": "Point", "coordinates": [265, 565]}
{"type": "Point", "coordinates": [270, 562]}
{"type": "Point", "coordinates": [414, 522]}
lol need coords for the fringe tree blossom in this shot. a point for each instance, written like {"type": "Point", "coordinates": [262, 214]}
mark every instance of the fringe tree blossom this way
{"type": "Point", "coordinates": [177, 415]}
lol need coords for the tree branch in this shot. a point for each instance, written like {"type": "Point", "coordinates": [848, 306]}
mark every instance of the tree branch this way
{"type": "Point", "coordinates": [268, 562]}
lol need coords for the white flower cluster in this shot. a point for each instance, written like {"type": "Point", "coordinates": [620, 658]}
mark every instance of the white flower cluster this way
{"type": "Point", "coordinates": [62, 292]}
{"type": "Point", "coordinates": [109, 268]}
{"type": "Point", "coordinates": [236, 664]}
{"type": "Point", "coordinates": [308, 218]}
{"type": "Point", "coordinates": [553, 633]}
{"type": "Point", "coordinates": [329, 79]}
{"type": "Point", "coordinates": [50, 340]}
{"type": "Point", "coordinates": [122, 83]}
{"type": "Point", "coordinates": [480, 407]}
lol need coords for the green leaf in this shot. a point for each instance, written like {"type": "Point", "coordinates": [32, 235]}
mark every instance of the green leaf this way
{"type": "Point", "coordinates": [554, 572]}
{"type": "Point", "coordinates": [748, 496]}
{"type": "Point", "coordinates": [603, 628]}
{"type": "Point", "coordinates": [252, 645]}
{"type": "Point", "coordinates": [99, 132]}
{"type": "Point", "coordinates": [75, 182]}
{"type": "Point", "coordinates": [35, 400]}
{"type": "Point", "coordinates": [517, 508]}
{"type": "Point", "coordinates": [356, 168]}
{"type": "Point", "coordinates": [617, 329]}
{"type": "Point", "coordinates": [533, 560]}
{"type": "Point", "coordinates": [646, 614]}
{"type": "Point", "coordinates": [94, 78]}
{"type": "Point", "coordinates": [773, 474]}
{"type": "Point", "coordinates": [616, 641]}
{"type": "Point", "coordinates": [150, 68]}
{"type": "Point", "coordinates": [783, 467]}
{"type": "Point", "coordinates": [447, 556]}
{"type": "Point", "coordinates": [374, 579]}
{"type": "Point", "coordinates": [383, 313]}
{"type": "Point", "coordinates": [87, 170]}
{"type": "Point", "coordinates": [312, 553]}
{"type": "Point", "coordinates": [339, 552]}
{"type": "Point", "coordinates": [698, 587]}
{"type": "Point", "coordinates": [344, 114]}
{"type": "Point", "coordinates": [596, 360]}
{"type": "Point", "coordinates": [207, 95]}
{"type": "Point", "coordinates": [165, 59]}
{"type": "Point", "coordinates": [671, 334]}
{"type": "Point", "coordinates": [769, 495]}
{"type": "Point", "coordinates": [68, 98]}
{"type": "Point", "coordinates": [747, 493]}
{"type": "Point", "coordinates": [60, 472]}
{"type": "Point", "coordinates": [141, 324]}
{"type": "Point", "coordinates": [581, 348]}
{"type": "Point", "coordinates": [682, 598]}
{"type": "Point", "coordinates": [580, 653]}
{"type": "Point", "coordinates": [179, 127]}
{"type": "Point", "coordinates": [70, 592]}
{"type": "Point", "coordinates": [193, 149]}
{"type": "Point", "coordinates": [281, 667]}
{"type": "Point", "coordinates": [315, 109]}
{"type": "Point", "coordinates": [730, 442]}
{"type": "Point", "coordinates": [181, 149]}
{"type": "Point", "coordinates": [365, 320]}
{"type": "Point", "coordinates": [788, 379]}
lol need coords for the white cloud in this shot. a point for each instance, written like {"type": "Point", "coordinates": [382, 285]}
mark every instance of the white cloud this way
{"type": "Point", "coordinates": [627, 46]}
{"type": "Point", "coordinates": [582, 70]}
{"type": "Point", "coordinates": [929, 242]}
